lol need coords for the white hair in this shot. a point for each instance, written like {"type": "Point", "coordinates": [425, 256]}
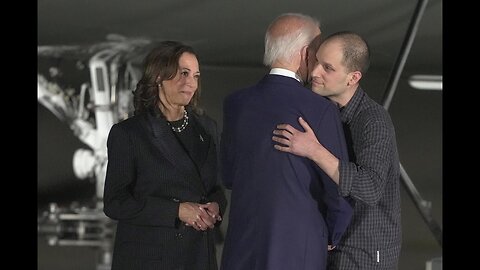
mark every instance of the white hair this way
{"type": "Point", "coordinates": [284, 47]}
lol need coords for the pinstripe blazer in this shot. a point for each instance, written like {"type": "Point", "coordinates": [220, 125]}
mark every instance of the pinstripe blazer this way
{"type": "Point", "coordinates": [372, 179]}
{"type": "Point", "coordinates": [148, 175]}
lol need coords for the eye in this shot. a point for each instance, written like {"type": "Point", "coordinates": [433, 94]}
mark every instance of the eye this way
{"type": "Point", "coordinates": [328, 68]}
{"type": "Point", "coordinates": [184, 73]}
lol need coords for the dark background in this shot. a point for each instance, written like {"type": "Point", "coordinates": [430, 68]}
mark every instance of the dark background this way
{"type": "Point", "coordinates": [228, 36]}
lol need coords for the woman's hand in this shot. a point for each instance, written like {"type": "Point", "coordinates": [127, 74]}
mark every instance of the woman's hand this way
{"type": "Point", "coordinates": [197, 215]}
{"type": "Point", "coordinates": [213, 210]}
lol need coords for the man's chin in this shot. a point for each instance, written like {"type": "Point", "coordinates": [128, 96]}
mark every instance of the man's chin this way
{"type": "Point", "coordinates": [317, 90]}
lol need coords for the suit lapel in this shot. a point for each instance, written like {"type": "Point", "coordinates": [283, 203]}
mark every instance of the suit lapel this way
{"type": "Point", "coordinates": [169, 146]}
{"type": "Point", "coordinates": [205, 137]}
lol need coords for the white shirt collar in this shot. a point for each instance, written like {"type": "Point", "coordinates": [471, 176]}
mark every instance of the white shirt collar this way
{"type": "Point", "coordinates": [285, 72]}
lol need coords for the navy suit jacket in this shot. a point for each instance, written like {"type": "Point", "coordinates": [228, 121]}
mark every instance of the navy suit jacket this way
{"type": "Point", "coordinates": [284, 208]}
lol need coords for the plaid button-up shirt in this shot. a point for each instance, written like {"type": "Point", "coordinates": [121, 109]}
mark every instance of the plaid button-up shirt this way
{"type": "Point", "coordinates": [372, 179]}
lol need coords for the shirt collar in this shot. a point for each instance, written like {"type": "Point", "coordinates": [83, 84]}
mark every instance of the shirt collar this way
{"type": "Point", "coordinates": [285, 72]}
{"type": "Point", "coordinates": [347, 112]}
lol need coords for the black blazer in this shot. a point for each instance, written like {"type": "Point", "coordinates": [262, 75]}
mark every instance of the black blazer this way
{"type": "Point", "coordinates": [148, 175]}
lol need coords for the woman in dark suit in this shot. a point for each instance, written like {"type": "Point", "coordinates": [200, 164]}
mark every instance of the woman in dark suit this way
{"type": "Point", "coordinates": [161, 184]}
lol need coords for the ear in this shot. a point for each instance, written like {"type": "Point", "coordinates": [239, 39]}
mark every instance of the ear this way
{"type": "Point", "coordinates": [355, 77]}
{"type": "Point", "coordinates": [304, 53]}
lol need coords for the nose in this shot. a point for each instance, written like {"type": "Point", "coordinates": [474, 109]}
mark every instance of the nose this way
{"type": "Point", "coordinates": [192, 82]}
{"type": "Point", "coordinates": [317, 71]}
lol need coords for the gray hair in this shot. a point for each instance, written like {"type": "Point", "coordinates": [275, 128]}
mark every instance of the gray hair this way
{"type": "Point", "coordinates": [284, 46]}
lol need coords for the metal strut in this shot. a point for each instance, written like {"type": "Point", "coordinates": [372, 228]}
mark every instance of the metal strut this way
{"type": "Point", "coordinates": [424, 207]}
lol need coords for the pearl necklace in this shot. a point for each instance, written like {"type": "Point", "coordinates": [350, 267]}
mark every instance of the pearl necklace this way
{"type": "Point", "coordinates": [184, 124]}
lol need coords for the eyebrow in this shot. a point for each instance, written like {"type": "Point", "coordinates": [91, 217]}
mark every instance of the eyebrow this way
{"type": "Point", "coordinates": [183, 68]}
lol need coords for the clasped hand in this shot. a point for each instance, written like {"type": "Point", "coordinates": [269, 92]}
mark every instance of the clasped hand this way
{"type": "Point", "coordinates": [199, 216]}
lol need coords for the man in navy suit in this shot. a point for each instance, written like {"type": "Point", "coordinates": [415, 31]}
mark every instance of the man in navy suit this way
{"type": "Point", "coordinates": [285, 210]}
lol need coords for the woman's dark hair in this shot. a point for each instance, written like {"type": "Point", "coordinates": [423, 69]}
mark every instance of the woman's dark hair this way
{"type": "Point", "coordinates": [160, 64]}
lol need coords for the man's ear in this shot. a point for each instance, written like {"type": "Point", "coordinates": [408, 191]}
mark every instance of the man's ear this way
{"type": "Point", "coordinates": [355, 77]}
{"type": "Point", "coordinates": [304, 53]}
